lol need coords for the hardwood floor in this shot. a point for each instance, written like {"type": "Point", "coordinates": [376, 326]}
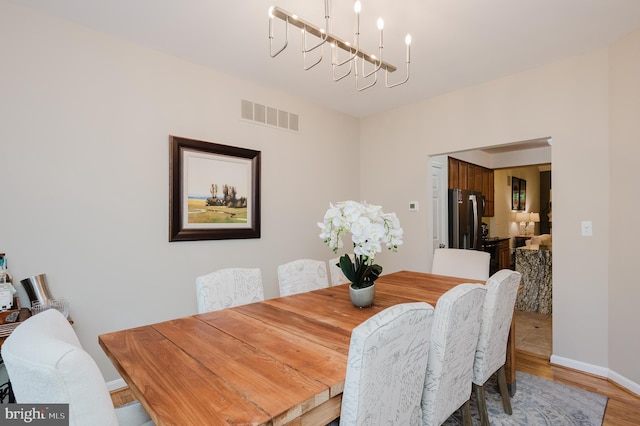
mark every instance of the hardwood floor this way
{"type": "Point", "coordinates": [623, 407]}
{"type": "Point", "coordinates": [122, 396]}
{"type": "Point", "coordinates": [534, 333]}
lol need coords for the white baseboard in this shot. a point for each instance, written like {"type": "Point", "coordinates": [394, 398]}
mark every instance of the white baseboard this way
{"type": "Point", "coordinates": [579, 365]}
{"type": "Point", "coordinates": [116, 384]}
{"type": "Point", "coordinates": [624, 382]}
{"type": "Point", "coordinates": [598, 371]}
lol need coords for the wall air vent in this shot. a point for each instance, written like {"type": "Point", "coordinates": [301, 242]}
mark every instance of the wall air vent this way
{"type": "Point", "coordinates": [293, 121]}
{"type": "Point", "coordinates": [259, 113]}
{"type": "Point", "coordinates": [272, 116]}
{"type": "Point", "coordinates": [246, 110]}
{"type": "Point", "coordinates": [269, 116]}
{"type": "Point", "coordinates": [283, 119]}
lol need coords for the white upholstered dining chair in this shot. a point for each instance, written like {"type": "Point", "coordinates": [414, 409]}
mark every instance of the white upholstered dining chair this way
{"type": "Point", "coordinates": [302, 275]}
{"type": "Point", "coordinates": [47, 365]}
{"type": "Point", "coordinates": [228, 287]}
{"type": "Point", "coordinates": [386, 367]}
{"type": "Point", "coordinates": [491, 352]}
{"type": "Point", "coordinates": [448, 382]}
{"type": "Point", "coordinates": [336, 274]}
{"type": "Point", "coordinates": [472, 264]}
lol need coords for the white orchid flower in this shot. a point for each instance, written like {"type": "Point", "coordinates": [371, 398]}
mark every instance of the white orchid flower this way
{"type": "Point", "coordinates": [369, 226]}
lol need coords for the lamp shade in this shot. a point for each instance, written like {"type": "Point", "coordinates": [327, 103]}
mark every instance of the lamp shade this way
{"type": "Point", "coordinates": [535, 217]}
{"type": "Point", "coordinates": [522, 217]}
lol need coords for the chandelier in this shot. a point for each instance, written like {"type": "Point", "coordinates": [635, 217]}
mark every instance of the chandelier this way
{"type": "Point", "coordinates": [355, 60]}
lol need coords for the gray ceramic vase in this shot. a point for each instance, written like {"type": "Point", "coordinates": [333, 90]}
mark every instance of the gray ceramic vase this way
{"type": "Point", "coordinates": [362, 297]}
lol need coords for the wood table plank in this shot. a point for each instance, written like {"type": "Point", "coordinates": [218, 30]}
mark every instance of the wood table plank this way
{"type": "Point", "coordinates": [327, 335]}
{"type": "Point", "coordinates": [169, 383]}
{"type": "Point", "coordinates": [320, 305]}
{"type": "Point", "coordinates": [381, 301]}
{"type": "Point", "coordinates": [300, 352]}
{"type": "Point", "coordinates": [264, 380]}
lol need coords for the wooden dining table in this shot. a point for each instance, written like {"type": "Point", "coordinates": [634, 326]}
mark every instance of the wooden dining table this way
{"type": "Point", "coordinates": [281, 361]}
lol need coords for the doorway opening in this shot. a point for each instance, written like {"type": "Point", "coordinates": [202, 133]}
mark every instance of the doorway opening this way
{"type": "Point", "coordinates": [529, 162]}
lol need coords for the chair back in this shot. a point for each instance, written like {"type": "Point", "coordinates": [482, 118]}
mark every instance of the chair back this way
{"type": "Point", "coordinates": [386, 367]}
{"type": "Point", "coordinates": [491, 351]}
{"type": "Point", "coordinates": [47, 365]}
{"type": "Point", "coordinates": [228, 287]}
{"type": "Point", "coordinates": [456, 325]}
{"type": "Point", "coordinates": [337, 276]}
{"type": "Point", "coordinates": [471, 264]}
{"type": "Point", "coordinates": [302, 275]}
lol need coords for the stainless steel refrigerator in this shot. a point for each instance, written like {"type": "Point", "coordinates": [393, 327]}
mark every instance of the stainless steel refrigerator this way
{"type": "Point", "coordinates": [465, 219]}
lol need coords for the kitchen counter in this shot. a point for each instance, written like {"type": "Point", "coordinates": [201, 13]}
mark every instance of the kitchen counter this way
{"type": "Point", "coordinates": [493, 241]}
{"type": "Point", "coordinates": [536, 269]}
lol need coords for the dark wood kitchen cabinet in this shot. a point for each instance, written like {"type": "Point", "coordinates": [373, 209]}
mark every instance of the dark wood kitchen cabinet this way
{"type": "Point", "coordinates": [500, 253]}
{"type": "Point", "coordinates": [464, 175]}
{"type": "Point", "coordinates": [504, 254]}
{"type": "Point", "coordinates": [489, 190]}
{"type": "Point", "coordinates": [458, 173]}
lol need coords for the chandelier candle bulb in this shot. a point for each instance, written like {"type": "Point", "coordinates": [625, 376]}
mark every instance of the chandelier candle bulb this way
{"type": "Point", "coordinates": [407, 41]}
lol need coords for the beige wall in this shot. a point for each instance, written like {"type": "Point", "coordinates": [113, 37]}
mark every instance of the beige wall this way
{"type": "Point", "coordinates": [84, 150]}
{"type": "Point", "coordinates": [624, 290]}
{"type": "Point", "coordinates": [568, 101]}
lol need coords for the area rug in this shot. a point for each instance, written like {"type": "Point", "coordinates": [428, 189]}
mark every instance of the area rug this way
{"type": "Point", "coordinates": [539, 402]}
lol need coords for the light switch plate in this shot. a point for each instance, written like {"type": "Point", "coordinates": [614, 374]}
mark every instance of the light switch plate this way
{"type": "Point", "coordinates": [413, 206]}
{"type": "Point", "coordinates": [587, 228]}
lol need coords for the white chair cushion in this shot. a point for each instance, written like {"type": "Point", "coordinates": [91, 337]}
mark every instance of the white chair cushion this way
{"type": "Point", "coordinates": [302, 275]}
{"type": "Point", "coordinates": [454, 337]}
{"type": "Point", "coordinates": [228, 287]}
{"type": "Point", "coordinates": [471, 264]}
{"type": "Point", "coordinates": [133, 414]}
{"type": "Point", "coordinates": [337, 276]}
{"type": "Point", "coordinates": [46, 364]}
{"type": "Point", "coordinates": [491, 351]}
{"type": "Point", "coordinates": [386, 367]}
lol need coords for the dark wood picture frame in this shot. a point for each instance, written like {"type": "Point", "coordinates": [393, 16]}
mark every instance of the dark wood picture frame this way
{"type": "Point", "coordinates": [523, 195]}
{"type": "Point", "coordinates": [518, 193]}
{"type": "Point", "coordinates": [515, 193]}
{"type": "Point", "coordinates": [229, 214]}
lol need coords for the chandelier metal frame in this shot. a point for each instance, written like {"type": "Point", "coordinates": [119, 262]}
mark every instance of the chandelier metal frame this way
{"type": "Point", "coordinates": [354, 53]}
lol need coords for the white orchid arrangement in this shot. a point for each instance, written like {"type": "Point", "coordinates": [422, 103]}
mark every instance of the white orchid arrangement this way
{"type": "Point", "coordinates": [370, 228]}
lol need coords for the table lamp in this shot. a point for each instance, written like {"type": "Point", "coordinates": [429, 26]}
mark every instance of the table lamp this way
{"type": "Point", "coordinates": [533, 218]}
{"type": "Point", "coordinates": [523, 218]}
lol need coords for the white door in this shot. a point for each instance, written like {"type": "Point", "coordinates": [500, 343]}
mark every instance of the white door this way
{"type": "Point", "coordinates": [439, 192]}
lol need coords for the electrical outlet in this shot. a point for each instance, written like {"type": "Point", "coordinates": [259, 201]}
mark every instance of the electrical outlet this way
{"type": "Point", "coordinates": [587, 228]}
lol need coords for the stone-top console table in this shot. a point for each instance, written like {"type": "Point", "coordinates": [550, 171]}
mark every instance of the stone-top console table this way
{"type": "Point", "coordinates": [535, 266]}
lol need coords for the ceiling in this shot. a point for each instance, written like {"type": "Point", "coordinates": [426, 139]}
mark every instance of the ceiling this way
{"type": "Point", "coordinates": [456, 43]}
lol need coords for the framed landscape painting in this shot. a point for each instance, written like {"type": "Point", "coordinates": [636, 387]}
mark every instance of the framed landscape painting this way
{"type": "Point", "coordinates": [214, 191]}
